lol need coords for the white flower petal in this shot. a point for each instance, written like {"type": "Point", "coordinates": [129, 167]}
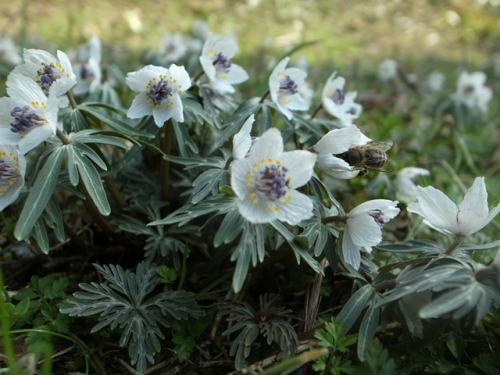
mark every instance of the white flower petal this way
{"type": "Point", "coordinates": [298, 207]}
{"type": "Point", "coordinates": [242, 141]}
{"type": "Point", "coordinates": [297, 75]}
{"type": "Point", "coordinates": [256, 214]}
{"type": "Point", "coordinates": [141, 107]}
{"type": "Point", "coordinates": [208, 67]}
{"type": "Point", "coordinates": [473, 210]}
{"type": "Point", "coordinates": [340, 140]}
{"type": "Point", "coordinates": [181, 76]}
{"type": "Point", "coordinates": [239, 173]}
{"type": "Point", "coordinates": [269, 146]}
{"type": "Point", "coordinates": [176, 108]}
{"type": "Point", "coordinates": [35, 137]}
{"type": "Point", "coordinates": [297, 103]}
{"type": "Point", "coordinates": [236, 74]}
{"type": "Point", "coordinates": [299, 165]}
{"type": "Point", "coordinates": [23, 90]}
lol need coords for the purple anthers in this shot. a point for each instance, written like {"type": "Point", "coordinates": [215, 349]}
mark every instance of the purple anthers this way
{"type": "Point", "coordinates": [25, 119]}
{"type": "Point", "coordinates": [46, 76]}
{"type": "Point", "coordinates": [378, 216]}
{"type": "Point", "coordinates": [222, 63]}
{"type": "Point", "coordinates": [7, 172]}
{"type": "Point", "coordinates": [273, 182]}
{"type": "Point", "coordinates": [469, 89]}
{"type": "Point", "coordinates": [288, 86]}
{"type": "Point", "coordinates": [85, 72]}
{"type": "Point", "coordinates": [351, 111]}
{"type": "Point", "coordinates": [159, 91]}
{"type": "Point", "coordinates": [338, 96]}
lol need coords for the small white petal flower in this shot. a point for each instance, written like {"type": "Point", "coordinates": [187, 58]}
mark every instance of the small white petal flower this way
{"type": "Point", "coordinates": [159, 92]}
{"type": "Point", "coordinates": [363, 228]}
{"type": "Point", "coordinates": [337, 142]}
{"type": "Point", "coordinates": [388, 69]}
{"type": "Point", "coordinates": [9, 52]}
{"type": "Point", "coordinates": [340, 104]}
{"type": "Point", "coordinates": [435, 81]}
{"type": "Point", "coordinates": [405, 182]}
{"type": "Point", "coordinates": [443, 215]}
{"type": "Point", "coordinates": [266, 180]}
{"type": "Point", "coordinates": [12, 170]}
{"type": "Point", "coordinates": [243, 141]}
{"type": "Point", "coordinates": [472, 92]}
{"type": "Point", "coordinates": [173, 46]}
{"type": "Point", "coordinates": [284, 88]}
{"type": "Point", "coordinates": [54, 75]}
{"type": "Point", "coordinates": [200, 29]}
{"type": "Point", "coordinates": [307, 93]}
{"type": "Point", "coordinates": [216, 62]}
{"type": "Point", "coordinates": [28, 117]}
{"type": "Point", "coordinates": [89, 71]}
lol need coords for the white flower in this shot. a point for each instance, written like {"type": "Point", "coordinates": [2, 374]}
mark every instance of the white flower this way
{"type": "Point", "coordinates": [173, 46]}
{"type": "Point", "coordinates": [89, 71]}
{"type": "Point", "coordinates": [216, 62]}
{"type": "Point", "coordinates": [307, 93]}
{"type": "Point", "coordinates": [337, 142]}
{"type": "Point", "coordinates": [363, 228]}
{"type": "Point", "coordinates": [27, 118]}
{"type": "Point", "coordinates": [12, 170]}
{"type": "Point", "coordinates": [9, 52]}
{"type": "Point", "coordinates": [340, 104]}
{"type": "Point", "coordinates": [441, 214]}
{"type": "Point", "coordinates": [54, 75]}
{"type": "Point", "coordinates": [284, 88]}
{"type": "Point", "coordinates": [266, 180]}
{"type": "Point", "coordinates": [405, 182]}
{"type": "Point", "coordinates": [472, 92]}
{"type": "Point", "coordinates": [159, 92]}
{"type": "Point", "coordinates": [412, 78]}
{"type": "Point", "coordinates": [435, 81]}
{"type": "Point", "coordinates": [242, 141]}
{"type": "Point", "coordinates": [388, 69]}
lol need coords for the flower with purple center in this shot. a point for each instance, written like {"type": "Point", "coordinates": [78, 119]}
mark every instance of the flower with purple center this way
{"type": "Point", "coordinates": [216, 62]}
{"type": "Point", "coordinates": [28, 117]}
{"type": "Point", "coordinates": [472, 92]}
{"type": "Point", "coordinates": [339, 103]}
{"type": "Point", "coordinates": [12, 170]}
{"type": "Point", "coordinates": [159, 92]}
{"type": "Point", "coordinates": [54, 75]}
{"type": "Point", "coordinates": [173, 46]}
{"type": "Point", "coordinates": [363, 228]}
{"type": "Point", "coordinates": [266, 181]}
{"type": "Point", "coordinates": [89, 70]}
{"type": "Point", "coordinates": [336, 142]}
{"type": "Point", "coordinates": [284, 85]}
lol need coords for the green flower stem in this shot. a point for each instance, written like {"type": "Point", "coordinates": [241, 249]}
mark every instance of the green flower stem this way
{"type": "Point", "coordinates": [316, 110]}
{"type": "Point", "coordinates": [92, 208]}
{"type": "Point", "coordinates": [454, 245]}
{"type": "Point", "coordinates": [72, 100]}
{"type": "Point", "coordinates": [264, 96]}
{"type": "Point", "coordinates": [165, 164]}
{"type": "Point", "coordinates": [7, 341]}
{"type": "Point", "coordinates": [198, 76]}
{"type": "Point", "coordinates": [228, 163]}
{"type": "Point", "coordinates": [336, 218]}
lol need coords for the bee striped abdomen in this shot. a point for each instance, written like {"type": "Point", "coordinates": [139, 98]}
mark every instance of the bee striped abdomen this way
{"type": "Point", "coordinates": [375, 159]}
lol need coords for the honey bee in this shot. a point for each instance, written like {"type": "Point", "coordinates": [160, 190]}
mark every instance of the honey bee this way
{"type": "Point", "coordinates": [369, 156]}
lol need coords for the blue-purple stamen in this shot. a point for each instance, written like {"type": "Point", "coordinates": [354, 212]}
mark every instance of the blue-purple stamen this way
{"type": "Point", "coordinates": [338, 96]}
{"type": "Point", "coordinates": [378, 216]}
{"type": "Point", "coordinates": [86, 72]}
{"type": "Point", "coordinates": [158, 92]}
{"type": "Point", "coordinates": [48, 75]}
{"type": "Point", "coordinates": [351, 111]}
{"type": "Point", "coordinates": [25, 119]}
{"type": "Point", "coordinates": [7, 172]}
{"type": "Point", "coordinates": [273, 182]}
{"type": "Point", "coordinates": [222, 63]}
{"type": "Point", "coordinates": [469, 89]}
{"type": "Point", "coordinates": [288, 86]}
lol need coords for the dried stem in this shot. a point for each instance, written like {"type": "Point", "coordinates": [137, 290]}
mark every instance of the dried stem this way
{"type": "Point", "coordinates": [317, 110]}
{"type": "Point", "coordinates": [165, 164]}
{"type": "Point", "coordinates": [455, 244]}
{"type": "Point", "coordinates": [264, 96]}
{"type": "Point", "coordinates": [332, 219]}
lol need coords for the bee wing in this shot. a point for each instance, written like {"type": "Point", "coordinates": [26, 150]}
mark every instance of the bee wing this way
{"type": "Point", "coordinates": [388, 168]}
{"type": "Point", "coordinates": [382, 145]}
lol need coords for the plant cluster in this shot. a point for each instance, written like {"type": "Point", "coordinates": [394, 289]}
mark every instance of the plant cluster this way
{"type": "Point", "coordinates": [186, 189]}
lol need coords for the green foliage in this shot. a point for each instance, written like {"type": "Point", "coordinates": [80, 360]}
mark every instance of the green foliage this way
{"type": "Point", "coordinates": [167, 275]}
{"type": "Point", "coordinates": [123, 304]}
{"type": "Point", "coordinates": [268, 320]}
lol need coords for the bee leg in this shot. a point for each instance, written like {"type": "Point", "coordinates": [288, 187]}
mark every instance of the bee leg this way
{"type": "Point", "coordinates": [363, 172]}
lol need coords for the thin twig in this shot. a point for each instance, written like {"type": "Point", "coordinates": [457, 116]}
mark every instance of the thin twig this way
{"type": "Point", "coordinates": [124, 364]}
{"type": "Point", "coordinates": [94, 358]}
{"type": "Point", "coordinates": [316, 110]}
{"type": "Point", "coordinates": [264, 96]}
{"type": "Point", "coordinates": [198, 76]}
{"type": "Point", "coordinates": [457, 179]}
